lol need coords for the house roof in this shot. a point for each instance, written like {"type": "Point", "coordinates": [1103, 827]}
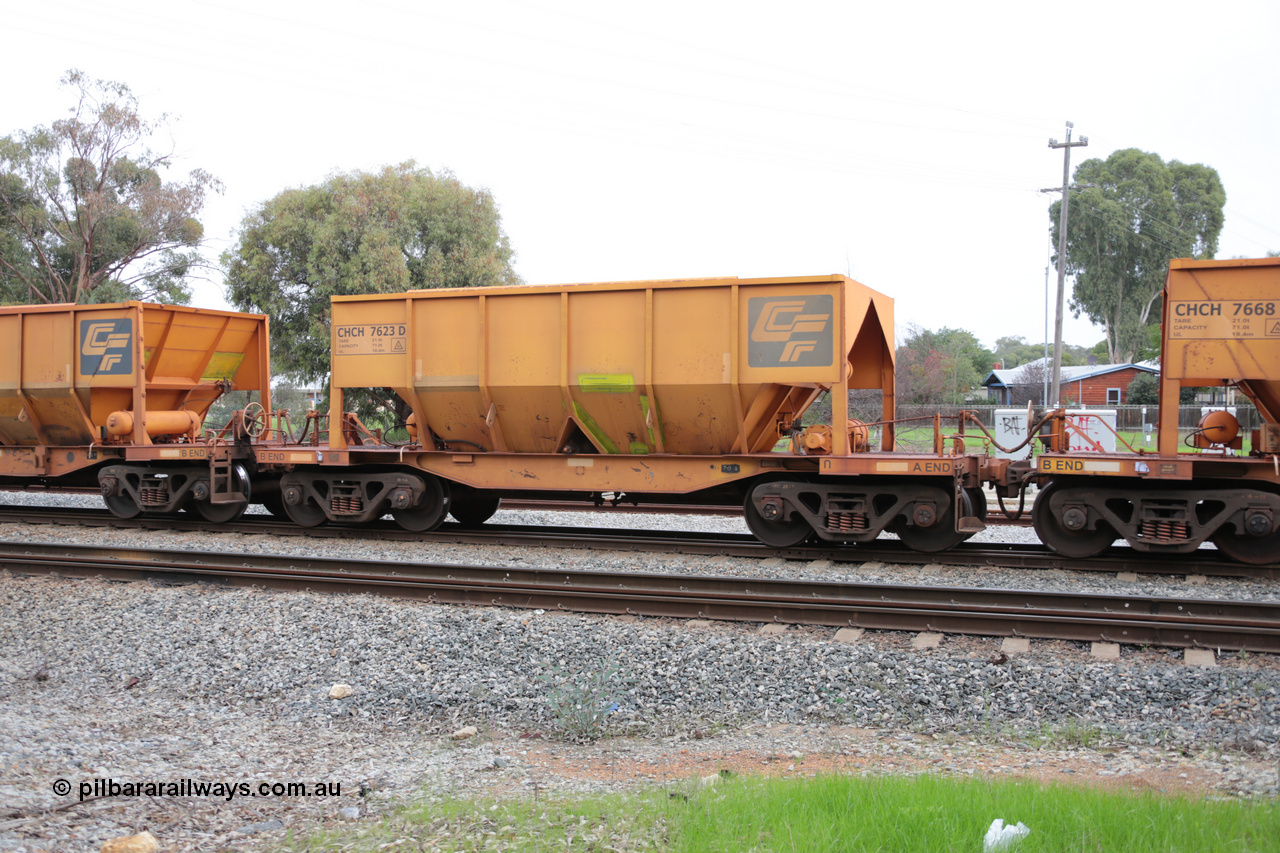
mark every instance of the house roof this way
{"type": "Point", "coordinates": [1070, 373]}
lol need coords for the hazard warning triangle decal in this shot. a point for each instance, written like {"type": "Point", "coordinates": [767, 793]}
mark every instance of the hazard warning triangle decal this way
{"type": "Point", "coordinates": [1275, 329]}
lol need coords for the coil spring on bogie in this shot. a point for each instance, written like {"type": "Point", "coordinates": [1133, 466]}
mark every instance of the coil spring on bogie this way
{"type": "Point", "coordinates": [1164, 531]}
{"type": "Point", "coordinates": [346, 505]}
{"type": "Point", "coordinates": [153, 495]}
{"type": "Point", "coordinates": [844, 522]}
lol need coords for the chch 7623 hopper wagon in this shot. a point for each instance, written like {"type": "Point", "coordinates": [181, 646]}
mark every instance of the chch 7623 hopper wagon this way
{"type": "Point", "coordinates": [649, 391]}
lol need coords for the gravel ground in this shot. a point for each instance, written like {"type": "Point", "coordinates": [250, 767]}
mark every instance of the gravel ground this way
{"type": "Point", "coordinates": [143, 682]}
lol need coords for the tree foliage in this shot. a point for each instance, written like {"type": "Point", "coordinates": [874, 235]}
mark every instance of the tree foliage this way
{"type": "Point", "coordinates": [1134, 215]}
{"type": "Point", "coordinates": [399, 229]}
{"type": "Point", "coordinates": [85, 215]}
{"type": "Point", "coordinates": [1014, 350]}
{"type": "Point", "coordinates": [940, 367]}
{"type": "Point", "coordinates": [1144, 390]}
{"type": "Point", "coordinates": [1027, 384]}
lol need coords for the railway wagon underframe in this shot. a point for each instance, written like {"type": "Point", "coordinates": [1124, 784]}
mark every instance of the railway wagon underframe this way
{"type": "Point", "coordinates": [786, 500]}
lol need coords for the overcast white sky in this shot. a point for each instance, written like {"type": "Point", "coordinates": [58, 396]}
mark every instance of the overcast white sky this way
{"type": "Point", "coordinates": [903, 144]}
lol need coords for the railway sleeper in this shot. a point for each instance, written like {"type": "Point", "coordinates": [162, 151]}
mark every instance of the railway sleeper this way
{"type": "Point", "coordinates": [1242, 522]}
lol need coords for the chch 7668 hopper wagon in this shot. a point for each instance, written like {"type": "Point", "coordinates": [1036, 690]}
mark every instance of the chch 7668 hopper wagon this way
{"type": "Point", "coordinates": [1221, 327]}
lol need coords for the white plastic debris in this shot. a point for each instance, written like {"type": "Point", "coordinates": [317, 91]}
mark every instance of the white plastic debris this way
{"type": "Point", "coordinates": [1001, 837]}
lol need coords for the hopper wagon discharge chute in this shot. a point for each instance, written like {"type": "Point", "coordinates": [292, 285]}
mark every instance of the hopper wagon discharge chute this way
{"type": "Point", "coordinates": [647, 392]}
{"type": "Point", "coordinates": [114, 396]}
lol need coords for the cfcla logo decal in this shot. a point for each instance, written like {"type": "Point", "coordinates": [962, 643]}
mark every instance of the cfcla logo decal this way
{"type": "Point", "coordinates": [790, 332]}
{"type": "Point", "coordinates": [778, 321]}
{"type": "Point", "coordinates": [106, 347]}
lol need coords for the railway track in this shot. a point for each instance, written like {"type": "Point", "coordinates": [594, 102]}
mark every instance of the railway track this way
{"type": "Point", "coordinates": [1118, 559]}
{"type": "Point", "coordinates": [994, 517]}
{"type": "Point", "coordinates": [1234, 625]}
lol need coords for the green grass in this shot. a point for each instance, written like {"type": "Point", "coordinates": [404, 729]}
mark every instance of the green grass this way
{"type": "Point", "coordinates": [921, 813]}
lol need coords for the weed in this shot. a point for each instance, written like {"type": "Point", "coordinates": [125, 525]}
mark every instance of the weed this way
{"type": "Point", "coordinates": [1071, 734]}
{"type": "Point", "coordinates": [580, 703]}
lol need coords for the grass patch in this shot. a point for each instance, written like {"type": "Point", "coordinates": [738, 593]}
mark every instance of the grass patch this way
{"type": "Point", "coordinates": [928, 813]}
{"type": "Point", "coordinates": [893, 813]}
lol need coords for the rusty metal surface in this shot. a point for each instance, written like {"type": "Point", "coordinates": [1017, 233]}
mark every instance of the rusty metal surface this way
{"type": "Point", "coordinates": [1251, 626]}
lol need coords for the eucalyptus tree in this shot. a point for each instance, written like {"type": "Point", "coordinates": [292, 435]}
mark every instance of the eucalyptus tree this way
{"type": "Point", "coordinates": [1133, 214]}
{"type": "Point", "coordinates": [398, 229]}
{"type": "Point", "coordinates": [86, 214]}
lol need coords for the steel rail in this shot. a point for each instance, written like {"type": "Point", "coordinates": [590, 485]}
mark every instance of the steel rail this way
{"type": "Point", "coordinates": [1015, 556]}
{"type": "Point", "coordinates": [1235, 625]}
{"type": "Point", "coordinates": [994, 517]}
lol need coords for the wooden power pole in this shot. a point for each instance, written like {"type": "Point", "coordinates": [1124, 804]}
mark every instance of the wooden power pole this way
{"type": "Point", "coordinates": [1062, 256]}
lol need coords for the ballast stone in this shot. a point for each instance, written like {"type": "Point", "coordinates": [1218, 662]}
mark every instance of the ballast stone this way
{"type": "Point", "coordinates": [143, 842]}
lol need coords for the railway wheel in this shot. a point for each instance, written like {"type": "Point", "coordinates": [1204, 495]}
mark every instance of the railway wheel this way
{"type": "Point", "coordinates": [1077, 544]}
{"type": "Point", "coordinates": [979, 500]}
{"type": "Point", "coordinates": [300, 509]}
{"type": "Point", "coordinates": [977, 506]}
{"type": "Point", "coordinates": [429, 512]}
{"type": "Point", "coordinates": [774, 532]}
{"type": "Point", "coordinates": [122, 506]}
{"type": "Point", "coordinates": [472, 508]}
{"type": "Point", "coordinates": [229, 512]}
{"type": "Point", "coordinates": [942, 534]}
{"type": "Point", "coordinates": [1243, 548]}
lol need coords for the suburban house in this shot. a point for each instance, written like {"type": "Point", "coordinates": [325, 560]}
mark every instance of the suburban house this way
{"type": "Point", "coordinates": [1082, 385]}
